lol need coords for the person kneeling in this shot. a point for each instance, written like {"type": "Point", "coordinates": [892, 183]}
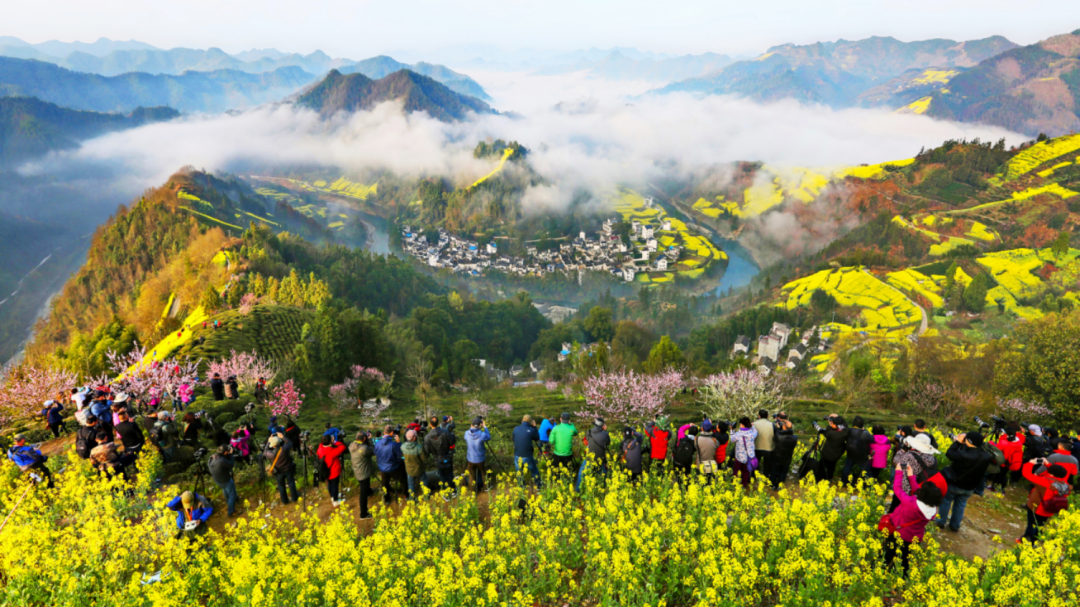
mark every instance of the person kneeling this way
{"type": "Point", "coordinates": [192, 510]}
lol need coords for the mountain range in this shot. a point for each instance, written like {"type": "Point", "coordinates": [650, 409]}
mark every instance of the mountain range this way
{"type": "Point", "coordinates": [836, 73]}
{"type": "Point", "coordinates": [30, 126]}
{"type": "Point", "coordinates": [107, 58]}
{"type": "Point", "coordinates": [618, 66]}
{"type": "Point", "coordinates": [418, 93]}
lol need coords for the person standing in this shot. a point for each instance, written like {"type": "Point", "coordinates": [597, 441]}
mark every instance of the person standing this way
{"type": "Point", "coordinates": [1011, 445]}
{"type": "Point", "coordinates": [439, 443]}
{"type": "Point", "coordinates": [920, 428]}
{"type": "Point", "coordinates": [217, 387]}
{"type": "Point", "coordinates": [918, 506]}
{"type": "Point", "coordinates": [330, 451]}
{"type": "Point", "coordinates": [279, 454]}
{"type": "Point", "coordinates": [705, 446]}
{"type": "Point", "coordinates": [476, 438]}
{"type": "Point", "coordinates": [413, 455]}
{"type": "Point", "coordinates": [54, 417]}
{"type": "Point", "coordinates": [632, 452]}
{"type": "Point", "coordinates": [658, 445]}
{"type": "Point", "coordinates": [1049, 495]}
{"type": "Point", "coordinates": [166, 434]}
{"type": "Point", "coordinates": [1063, 456]}
{"type": "Point", "coordinates": [965, 475]}
{"type": "Point", "coordinates": [763, 444]}
{"type": "Point", "coordinates": [221, 471]}
{"type": "Point", "coordinates": [546, 427]}
{"type": "Point", "coordinates": [917, 454]}
{"type": "Point", "coordinates": [784, 443]}
{"type": "Point", "coordinates": [524, 455]}
{"type": "Point", "coordinates": [29, 459]}
{"type": "Point", "coordinates": [879, 453]}
{"type": "Point", "coordinates": [597, 443]}
{"type": "Point", "coordinates": [858, 452]}
{"type": "Point", "coordinates": [836, 435]}
{"type": "Point", "coordinates": [562, 443]}
{"type": "Point", "coordinates": [363, 465]}
{"type": "Point", "coordinates": [745, 438]}
{"type": "Point", "coordinates": [391, 464]}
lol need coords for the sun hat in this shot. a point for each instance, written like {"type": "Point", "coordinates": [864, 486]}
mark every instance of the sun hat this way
{"type": "Point", "coordinates": [274, 441]}
{"type": "Point", "coordinates": [120, 397]}
{"type": "Point", "coordinates": [1035, 430]}
{"type": "Point", "coordinates": [920, 443]}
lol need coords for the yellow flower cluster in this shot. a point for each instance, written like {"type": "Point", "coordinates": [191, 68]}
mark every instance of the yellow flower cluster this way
{"type": "Point", "coordinates": [616, 543]}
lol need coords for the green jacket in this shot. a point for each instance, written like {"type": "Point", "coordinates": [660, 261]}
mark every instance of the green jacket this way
{"type": "Point", "coordinates": [562, 439]}
{"type": "Point", "coordinates": [413, 453]}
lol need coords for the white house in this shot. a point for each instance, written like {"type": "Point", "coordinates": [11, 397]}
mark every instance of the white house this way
{"type": "Point", "coordinates": [492, 248]}
{"type": "Point", "coordinates": [651, 244]}
{"type": "Point", "coordinates": [661, 264]}
{"type": "Point", "coordinates": [742, 345]}
{"type": "Point", "coordinates": [647, 232]}
{"type": "Point", "coordinates": [666, 226]}
{"type": "Point", "coordinates": [433, 259]}
{"type": "Point", "coordinates": [628, 274]}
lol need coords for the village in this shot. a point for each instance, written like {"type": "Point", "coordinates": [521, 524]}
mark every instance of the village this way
{"type": "Point", "coordinates": [770, 348]}
{"type": "Point", "coordinates": [605, 253]}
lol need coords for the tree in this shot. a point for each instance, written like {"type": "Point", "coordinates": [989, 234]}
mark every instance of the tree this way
{"type": "Point", "coordinates": [1043, 369]}
{"type": "Point", "coordinates": [211, 299]}
{"type": "Point", "coordinates": [598, 323]}
{"type": "Point", "coordinates": [740, 393]}
{"type": "Point", "coordinates": [286, 400]}
{"type": "Point", "coordinates": [629, 397]}
{"type": "Point", "coordinates": [1060, 246]}
{"type": "Point", "coordinates": [975, 293]}
{"type": "Point", "coordinates": [663, 355]}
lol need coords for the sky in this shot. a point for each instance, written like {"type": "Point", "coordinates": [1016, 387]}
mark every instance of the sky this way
{"type": "Point", "coordinates": [359, 28]}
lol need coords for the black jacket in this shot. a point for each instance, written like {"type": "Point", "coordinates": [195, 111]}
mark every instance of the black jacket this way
{"type": "Point", "coordinates": [284, 462]}
{"type": "Point", "coordinates": [218, 388]}
{"type": "Point", "coordinates": [131, 435]}
{"type": "Point", "coordinates": [599, 441]}
{"type": "Point", "coordinates": [221, 468]}
{"type": "Point", "coordinates": [1035, 447]}
{"type": "Point", "coordinates": [835, 443]}
{"type": "Point", "coordinates": [858, 443]}
{"type": "Point", "coordinates": [524, 437]}
{"type": "Point", "coordinates": [784, 443]}
{"type": "Point", "coordinates": [631, 451]}
{"type": "Point", "coordinates": [293, 434]}
{"type": "Point", "coordinates": [968, 466]}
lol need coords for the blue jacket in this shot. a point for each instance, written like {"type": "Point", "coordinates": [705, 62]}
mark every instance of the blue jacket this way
{"type": "Point", "coordinates": [524, 437]}
{"type": "Point", "coordinates": [474, 441]}
{"type": "Point", "coordinates": [52, 416]}
{"type": "Point", "coordinates": [102, 410]}
{"type": "Point", "coordinates": [545, 429]}
{"type": "Point", "coordinates": [201, 512]}
{"type": "Point", "coordinates": [24, 456]}
{"type": "Point", "coordinates": [388, 454]}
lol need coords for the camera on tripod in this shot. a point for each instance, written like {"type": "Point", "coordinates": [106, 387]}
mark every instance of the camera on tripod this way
{"type": "Point", "coordinates": [816, 425]}
{"type": "Point", "coordinates": [201, 452]}
{"type": "Point", "coordinates": [248, 408]}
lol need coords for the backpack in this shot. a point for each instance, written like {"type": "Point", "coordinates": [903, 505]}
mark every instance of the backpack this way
{"type": "Point", "coordinates": [1060, 499]}
{"type": "Point", "coordinates": [684, 451]}
{"type": "Point", "coordinates": [857, 445]}
{"type": "Point", "coordinates": [83, 443]}
{"type": "Point", "coordinates": [999, 457]}
{"type": "Point", "coordinates": [1036, 446]}
{"type": "Point", "coordinates": [157, 435]}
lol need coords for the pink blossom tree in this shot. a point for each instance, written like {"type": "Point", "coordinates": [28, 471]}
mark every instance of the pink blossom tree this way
{"type": "Point", "coordinates": [27, 387]}
{"type": "Point", "coordinates": [475, 408]}
{"type": "Point", "coordinates": [1020, 409]}
{"type": "Point", "coordinates": [505, 408]}
{"type": "Point", "coordinates": [366, 388]}
{"type": "Point", "coordinates": [628, 396]}
{"type": "Point", "coordinates": [247, 302]}
{"type": "Point", "coordinates": [551, 385]}
{"type": "Point", "coordinates": [248, 367]}
{"type": "Point", "coordinates": [139, 375]}
{"type": "Point", "coordinates": [941, 400]}
{"type": "Point", "coordinates": [286, 400]}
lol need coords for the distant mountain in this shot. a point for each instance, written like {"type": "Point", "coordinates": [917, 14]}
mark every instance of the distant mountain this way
{"type": "Point", "coordinates": [126, 57]}
{"type": "Point", "coordinates": [31, 127]}
{"type": "Point", "coordinates": [617, 66]}
{"type": "Point", "coordinates": [211, 92]}
{"type": "Point", "coordinates": [382, 66]}
{"type": "Point", "coordinates": [351, 92]}
{"type": "Point", "coordinates": [837, 73]}
{"type": "Point", "coordinates": [1033, 89]}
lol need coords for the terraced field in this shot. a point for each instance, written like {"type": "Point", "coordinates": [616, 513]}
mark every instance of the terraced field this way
{"type": "Point", "coordinates": [1039, 154]}
{"type": "Point", "coordinates": [270, 330]}
{"type": "Point", "coordinates": [883, 306]}
{"type": "Point", "coordinates": [776, 186]}
{"type": "Point", "coordinates": [932, 228]}
{"type": "Point", "coordinates": [915, 282]}
{"type": "Point", "coordinates": [873, 171]}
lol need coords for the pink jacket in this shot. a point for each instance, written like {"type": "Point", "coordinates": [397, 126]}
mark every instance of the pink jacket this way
{"type": "Point", "coordinates": [908, 518]}
{"type": "Point", "coordinates": [241, 444]}
{"type": "Point", "coordinates": [682, 431]}
{"type": "Point", "coordinates": [879, 450]}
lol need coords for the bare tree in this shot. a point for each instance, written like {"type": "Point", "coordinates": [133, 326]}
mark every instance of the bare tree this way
{"type": "Point", "coordinates": [419, 372]}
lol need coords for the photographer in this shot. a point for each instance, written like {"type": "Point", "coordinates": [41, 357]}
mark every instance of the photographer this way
{"type": "Point", "coordinates": [832, 450]}
{"type": "Point", "coordinates": [413, 454]}
{"type": "Point", "coordinates": [917, 454]}
{"type": "Point", "coordinates": [1062, 456]}
{"type": "Point", "coordinates": [920, 428]}
{"type": "Point", "coordinates": [524, 455]}
{"type": "Point", "coordinates": [632, 451]}
{"type": "Point", "coordinates": [292, 433]}
{"type": "Point", "coordinates": [260, 390]}
{"type": "Point", "coordinates": [330, 452]}
{"type": "Point", "coordinates": [1048, 496]}
{"type": "Point", "coordinates": [363, 465]}
{"type": "Point", "coordinates": [86, 437]}
{"type": "Point", "coordinates": [597, 442]}
{"type": "Point", "coordinates": [745, 438]}
{"type": "Point", "coordinates": [192, 426]}
{"type": "Point", "coordinates": [659, 440]}
{"type": "Point", "coordinates": [476, 438]}
{"type": "Point", "coordinates": [281, 467]}
{"type": "Point", "coordinates": [784, 443]}
{"type": "Point", "coordinates": [217, 387]}
{"type": "Point", "coordinates": [562, 443]}
{"type": "Point", "coordinates": [221, 470]}
{"type": "Point", "coordinates": [1011, 445]}
{"type": "Point", "coordinates": [763, 444]}
{"type": "Point", "coordinates": [546, 427]}
{"type": "Point", "coordinates": [965, 474]}
{"type": "Point", "coordinates": [1036, 445]}
{"type": "Point", "coordinates": [858, 452]}
{"type": "Point", "coordinates": [232, 389]}
{"type": "Point", "coordinates": [193, 511]}
{"type": "Point", "coordinates": [29, 459]}
{"type": "Point", "coordinates": [54, 419]}
{"type": "Point", "coordinates": [439, 446]}
{"type": "Point", "coordinates": [165, 435]}
{"type": "Point", "coordinates": [391, 464]}
{"type": "Point", "coordinates": [104, 456]}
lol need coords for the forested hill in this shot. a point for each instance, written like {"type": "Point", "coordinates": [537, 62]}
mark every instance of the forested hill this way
{"type": "Point", "coordinates": [211, 92]}
{"type": "Point", "coordinates": [351, 92]}
{"type": "Point", "coordinates": [158, 260]}
{"type": "Point", "coordinates": [31, 127]}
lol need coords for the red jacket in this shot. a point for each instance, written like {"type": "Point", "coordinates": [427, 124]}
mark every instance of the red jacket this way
{"type": "Point", "coordinates": [1013, 450]}
{"type": "Point", "coordinates": [721, 453]}
{"type": "Point", "coordinates": [1044, 481]}
{"type": "Point", "coordinates": [332, 456]}
{"type": "Point", "coordinates": [658, 442]}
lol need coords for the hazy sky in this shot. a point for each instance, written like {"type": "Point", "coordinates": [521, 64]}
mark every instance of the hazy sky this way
{"type": "Point", "coordinates": [359, 28]}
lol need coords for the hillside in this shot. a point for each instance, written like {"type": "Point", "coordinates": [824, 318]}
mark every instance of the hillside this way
{"type": "Point", "coordinates": [1034, 89]}
{"type": "Point", "coordinates": [836, 73]}
{"type": "Point", "coordinates": [108, 58]}
{"type": "Point", "coordinates": [352, 92]}
{"type": "Point", "coordinates": [213, 92]}
{"type": "Point", "coordinates": [30, 127]}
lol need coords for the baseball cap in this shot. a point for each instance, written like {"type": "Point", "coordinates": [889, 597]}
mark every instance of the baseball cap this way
{"type": "Point", "coordinates": [565, 416]}
{"type": "Point", "coordinates": [706, 426]}
{"type": "Point", "coordinates": [187, 498]}
{"type": "Point", "coordinates": [477, 421]}
{"type": "Point", "coordinates": [274, 441]}
{"type": "Point", "coordinates": [19, 437]}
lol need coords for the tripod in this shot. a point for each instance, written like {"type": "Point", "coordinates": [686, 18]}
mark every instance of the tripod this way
{"type": "Point", "coordinates": [200, 477]}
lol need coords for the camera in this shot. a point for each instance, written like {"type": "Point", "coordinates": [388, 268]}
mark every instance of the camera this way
{"type": "Point", "coordinates": [248, 408]}
{"type": "Point", "coordinates": [817, 426]}
{"type": "Point", "coordinates": [981, 423]}
{"type": "Point", "coordinates": [201, 453]}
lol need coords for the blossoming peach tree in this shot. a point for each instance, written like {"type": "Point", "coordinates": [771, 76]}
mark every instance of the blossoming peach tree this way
{"type": "Point", "coordinates": [628, 396]}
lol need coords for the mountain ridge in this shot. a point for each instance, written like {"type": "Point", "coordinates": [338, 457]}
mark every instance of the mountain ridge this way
{"type": "Point", "coordinates": [351, 92]}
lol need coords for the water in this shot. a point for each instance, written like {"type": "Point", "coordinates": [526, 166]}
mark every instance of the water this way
{"type": "Point", "coordinates": [741, 267]}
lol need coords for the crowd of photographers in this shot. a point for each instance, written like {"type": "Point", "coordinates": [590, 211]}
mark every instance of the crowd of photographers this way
{"type": "Point", "coordinates": [419, 457]}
